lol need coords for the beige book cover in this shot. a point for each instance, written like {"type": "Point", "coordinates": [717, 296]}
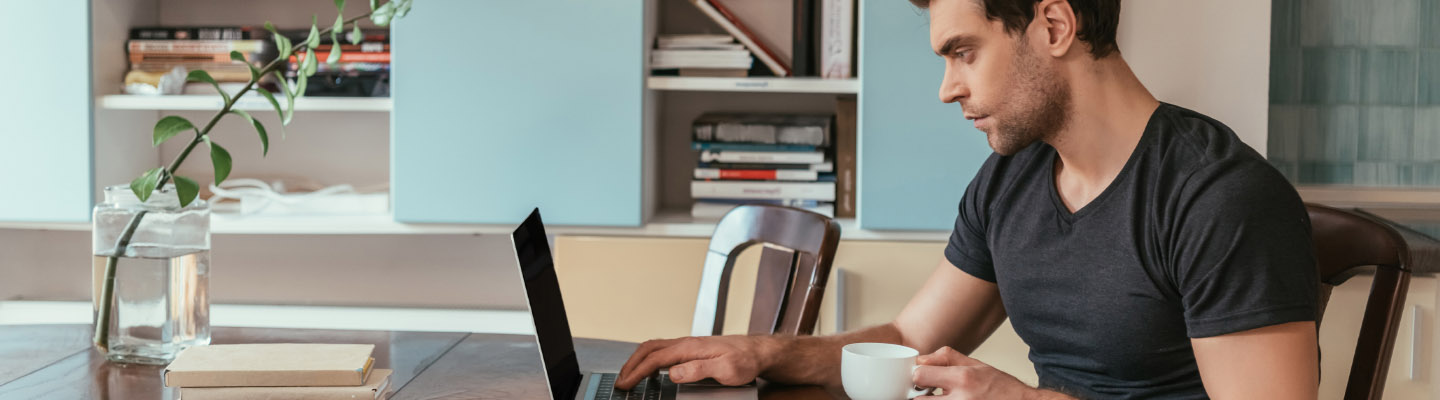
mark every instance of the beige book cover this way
{"type": "Point", "coordinates": [377, 387]}
{"type": "Point", "coordinates": [271, 364]}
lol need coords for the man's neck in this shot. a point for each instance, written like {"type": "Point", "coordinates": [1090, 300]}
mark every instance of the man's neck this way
{"type": "Point", "coordinates": [1109, 111]}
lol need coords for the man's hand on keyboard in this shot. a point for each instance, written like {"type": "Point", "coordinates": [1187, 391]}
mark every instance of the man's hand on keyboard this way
{"type": "Point", "coordinates": [730, 360]}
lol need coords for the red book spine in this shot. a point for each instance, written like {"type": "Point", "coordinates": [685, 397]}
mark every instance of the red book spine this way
{"type": "Point", "coordinates": [748, 174]}
{"type": "Point", "coordinates": [346, 57]}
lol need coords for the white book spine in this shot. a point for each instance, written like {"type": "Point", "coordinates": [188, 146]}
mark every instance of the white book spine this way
{"type": "Point", "coordinates": [836, 32]}
{"type": "Point", "coordinates": [821, 191]}
{"type": "Point", "coordinates": [717, 210]}
{"type": "Point", "coordinates": [778, 157]}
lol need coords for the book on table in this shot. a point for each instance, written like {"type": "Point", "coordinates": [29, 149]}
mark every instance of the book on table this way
{"type": "Point", "coordinates": [377, 386]}
{"type": "Point", "coordinates": [271, 364]}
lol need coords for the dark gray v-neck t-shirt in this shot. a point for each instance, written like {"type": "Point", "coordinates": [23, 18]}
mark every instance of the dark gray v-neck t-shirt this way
{"type": "Point", "coordinates": [1198, 236]}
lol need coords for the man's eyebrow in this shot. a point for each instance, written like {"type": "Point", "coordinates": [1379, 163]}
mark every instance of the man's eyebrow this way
{"type": "Point", "coordinates": [955, 42]}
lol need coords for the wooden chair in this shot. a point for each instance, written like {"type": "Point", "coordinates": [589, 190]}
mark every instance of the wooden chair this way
{"type": "Point", "coordinates": [1345, 243]}
{"type": "Point", "coordinates": [799, 247]}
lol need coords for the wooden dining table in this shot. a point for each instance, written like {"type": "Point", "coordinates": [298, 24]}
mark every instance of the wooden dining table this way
{"type": "Point", "coordinates": [57, 362]}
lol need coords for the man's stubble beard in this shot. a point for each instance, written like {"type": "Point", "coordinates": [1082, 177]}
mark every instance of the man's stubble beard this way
{"type": "Point", "coordinates": [1039, 110]}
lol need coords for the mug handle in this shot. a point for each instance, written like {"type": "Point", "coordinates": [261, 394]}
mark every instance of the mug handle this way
{"type": "Point", "coordinates": [917, 391]}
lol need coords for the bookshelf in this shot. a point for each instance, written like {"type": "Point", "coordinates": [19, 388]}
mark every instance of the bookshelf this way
{"type": "Point", "coordinates": [755, 84]}
{"type": "Point", "coordinates": [674, 223]}
{"type": "Point", "coordinates": [210, 102]}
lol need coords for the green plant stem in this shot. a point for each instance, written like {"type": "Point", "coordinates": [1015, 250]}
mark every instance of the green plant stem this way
{"type": "Point", "coordinates": [107, 297]}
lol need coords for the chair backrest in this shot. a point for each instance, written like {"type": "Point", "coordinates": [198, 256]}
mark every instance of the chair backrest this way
{"type": "Point", "coordinates": [799, 247]}
{"type": "Point", "coordinates": [1345, 242]}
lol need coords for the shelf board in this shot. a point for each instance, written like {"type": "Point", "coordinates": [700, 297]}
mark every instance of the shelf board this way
{"type": "Point", "coordinates": [749, 84]}
{"type": "Point", "coordinates": [670, 223]}
{"type": "Point", "coordinates": [210, 102]}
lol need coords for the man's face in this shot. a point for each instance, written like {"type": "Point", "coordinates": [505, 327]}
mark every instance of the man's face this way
{"type": "Point", "coordinates": [1012, 91]}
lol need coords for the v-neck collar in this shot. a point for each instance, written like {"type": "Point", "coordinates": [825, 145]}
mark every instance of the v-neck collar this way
{"type": "Point", "coordinates": [1120, 178]}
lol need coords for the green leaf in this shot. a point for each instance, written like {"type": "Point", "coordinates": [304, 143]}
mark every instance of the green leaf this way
{"type": "Point", "coordinates": [145, 184]}
{"type": "Point", "coordinates": [236, 56]}
{"type": "Point", "coordinates": [334, 56]}
{"type": "Point", "coordinates": [168, 127]}
{"type": "Point", "coordinates": [289, 98]}
{"type": "Point", "coordinates": [279, 112]}
{"type": "Point", "coordinates": [200, 75]}
{"type": "Point", "coordinates": [310, 64]}
{"type": "Point", "coordinates": [220, 158]}
{"type": "Point", "coordinates": [283, 44]}
{"type": "Point", "coordinates": [254, 73]}
{"type": "Point", "coordinates": [259, 128]}
{"type": "Point", "coordinates": [373, 4]}
{"type": "Point", "coordinates": [340, 5]}
{"type": "Point", "coordinates": [187, 188]}
{"type": "Point", "coordinates": [271, 27]}
{"type": "Point", "coordinates": [300, 82]}
{"type": "Point", "coordinates": [403, 9]}
{"type": "Point", "coordinates": [355, 35]}
{"type": "Point", "coordinates": [381, 16]}
{"type": "Point", "coordinates": [314, 40]}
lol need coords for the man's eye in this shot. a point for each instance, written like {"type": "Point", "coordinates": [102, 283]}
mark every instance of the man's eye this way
{"type": "Point", "coordinates": [962, 54]}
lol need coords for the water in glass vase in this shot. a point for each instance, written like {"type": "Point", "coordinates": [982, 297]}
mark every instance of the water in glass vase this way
{"type": "Point", "coordinates": [161, 305]}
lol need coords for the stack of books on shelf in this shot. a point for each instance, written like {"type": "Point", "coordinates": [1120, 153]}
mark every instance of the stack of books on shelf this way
{"type": "Point", "coordinates": [278, 371]}
{"type": "Point", "coordinates": [155, 51]}
{"type": "Point", "coordinates": [753, 158]}
{"type": "Point", "coordinates": [363, 69]}
{"type": "Point", "coordinates": [700, 55]}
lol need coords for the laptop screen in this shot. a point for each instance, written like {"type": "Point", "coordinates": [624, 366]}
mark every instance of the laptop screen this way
{"type": "Point", "coordinates": [542, 288]}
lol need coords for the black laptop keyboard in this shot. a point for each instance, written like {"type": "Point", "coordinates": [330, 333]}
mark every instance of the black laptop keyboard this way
{"type": "Point", "coordinates": [651, 388]}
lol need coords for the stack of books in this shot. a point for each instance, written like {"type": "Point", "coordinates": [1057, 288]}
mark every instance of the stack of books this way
{"type": "Point", "coordinates": [751, 158]}
{"type": "Point", "coordinates": [700, 55]}
{"type": "Point", "coordinates": [154, 51]}
{"type": "Point", "coordinates": [278, 371]}
{"type": "Point", "coordinates": [363, 69]}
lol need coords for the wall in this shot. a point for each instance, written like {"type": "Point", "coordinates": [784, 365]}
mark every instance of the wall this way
{"type": "Point", "coordinates": [1208, 56]}
{"type": "Point", "coordinates": [1355, 92]}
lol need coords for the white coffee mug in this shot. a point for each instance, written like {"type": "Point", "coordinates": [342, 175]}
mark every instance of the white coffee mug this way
{"type": "Point", "coordinates": [879, 371]}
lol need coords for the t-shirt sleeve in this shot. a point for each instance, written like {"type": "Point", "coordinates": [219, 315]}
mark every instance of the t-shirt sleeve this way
{"type": "Point", "coordinates": [968, 248]}
{"type": "Point", "coordinates": [1242, 255]}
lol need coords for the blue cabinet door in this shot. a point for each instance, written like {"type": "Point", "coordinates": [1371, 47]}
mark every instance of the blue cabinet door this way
{"type": "Point", "coordinates": [45, 112]}
{"type": "Point", "coordinates": [916, 154]}
{"type": "Point", "coordinates": [502, 106]}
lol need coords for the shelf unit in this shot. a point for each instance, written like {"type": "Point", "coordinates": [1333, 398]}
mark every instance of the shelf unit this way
{"type": "Point", "coordinates": [667, 223]}
{"type": "Point", "coordinates": [211, 102]}
{"type": "Point", "coordinates": [755, 84]}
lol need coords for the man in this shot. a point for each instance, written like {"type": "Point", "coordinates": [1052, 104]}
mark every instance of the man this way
{"type": "Point", "coordinates": [1140, 249]}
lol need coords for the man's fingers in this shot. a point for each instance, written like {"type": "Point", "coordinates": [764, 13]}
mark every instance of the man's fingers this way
{"type": "Point", "coordinates": [664, 357]}
{"type": "Point", "coordinates": [697, 370]}
{"type": "Point", "coordinates": [625, 379]}
{"type": "Point", "coordinates": [927, 376]}
{"type": "Point", "coordinates": [946, 356]}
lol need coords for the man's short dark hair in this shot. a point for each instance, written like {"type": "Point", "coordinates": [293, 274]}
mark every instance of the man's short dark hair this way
{"type": "Point", "coordinates": [1098, 19]}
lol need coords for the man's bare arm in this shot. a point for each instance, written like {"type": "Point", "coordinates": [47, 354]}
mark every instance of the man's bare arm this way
{"type": "Point", "coordinates": [1275, 362]}
{"type": "Point", "coordinates": [953, 309]}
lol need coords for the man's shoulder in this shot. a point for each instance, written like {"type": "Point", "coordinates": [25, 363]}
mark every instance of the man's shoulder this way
{"type": "Point", "coordinates": [1207, 160]}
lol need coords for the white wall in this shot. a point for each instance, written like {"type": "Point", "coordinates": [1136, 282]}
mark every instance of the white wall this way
{"type": "Point", "coordinates": [1210, 56]}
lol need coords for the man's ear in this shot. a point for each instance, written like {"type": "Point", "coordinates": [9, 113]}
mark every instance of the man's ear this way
{"type": "Point", "coordinates": [1058, 24]}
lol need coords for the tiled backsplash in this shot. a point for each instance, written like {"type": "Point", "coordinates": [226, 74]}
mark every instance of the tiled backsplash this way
{"type": "Point", "coordinates": [1355, 92]}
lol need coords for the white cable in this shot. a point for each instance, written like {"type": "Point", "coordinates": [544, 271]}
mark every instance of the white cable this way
{"type": "Point", "coordinates": [244, 190]}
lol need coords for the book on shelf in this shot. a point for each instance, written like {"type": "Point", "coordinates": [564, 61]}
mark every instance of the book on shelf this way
{"type": "Point", "coordinates": [348, 57]}
{"type": "Point", "coordinates": [804, 28]}
{"type": "Point", "coordinates": [699, 58]}
{"type": "Point", "coordinates": [757, 174]}
{"type": "Point", "coordinates": [764, 128]}
{"type": "Point", "coordinates": [722, 16]}
{"type": "Point", "coordinates": [697, 41]}
{"type": "Point", "coordinates": [707, 209]}
{"type": "Point", "coordinates": [198, 33]}
{"type": "Point", "coordinates": [377, 386]}
{"type": "Point", "coordinates": [223, 47]}
{"type": "Point", "coordinates": [821, 167]}
{"type": "Point", "coordinates": [714, 72]}
{"type": "Point", "coordinates": [846, 145]}
{"type": "Point", "coordinates": [837, 39]}
{"type": "Point", "coordinates": [778, 157]}
{"type": "Point", "coordinates": [731, 146]}
{"type": "Point", "coordinates": [819, 191]}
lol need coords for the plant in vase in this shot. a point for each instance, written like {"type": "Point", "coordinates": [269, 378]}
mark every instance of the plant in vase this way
{"type": "Point", "coordinates": [160, 231]}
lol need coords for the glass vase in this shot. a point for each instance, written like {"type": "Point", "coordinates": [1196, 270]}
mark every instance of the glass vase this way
{"type": "Point", "coordinates": [160, 301]}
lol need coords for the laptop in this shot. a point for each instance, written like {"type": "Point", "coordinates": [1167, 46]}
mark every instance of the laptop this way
{"type": "Point", "coordinates": [557, 348]}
